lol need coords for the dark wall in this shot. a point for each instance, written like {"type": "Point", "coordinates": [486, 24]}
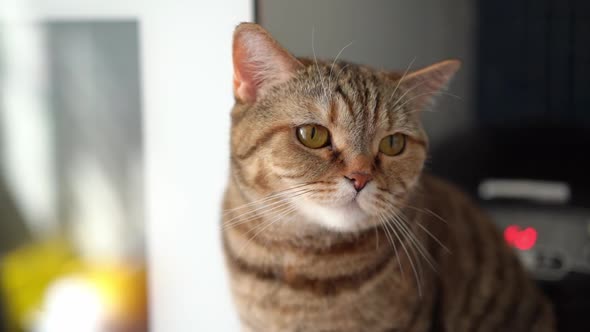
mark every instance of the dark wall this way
{"type": "Point", "coordinates": [534, 63]}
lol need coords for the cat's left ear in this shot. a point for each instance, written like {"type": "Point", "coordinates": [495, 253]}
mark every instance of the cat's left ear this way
{"type": "Point", "coordinates": [259, 62]}
{"type": "Point", "coordinates": [422, 85]}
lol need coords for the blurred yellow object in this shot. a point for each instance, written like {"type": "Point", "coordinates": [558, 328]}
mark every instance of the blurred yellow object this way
{"type": "Point", "coordinates": [25, 274]}
{"type": "Point", "coordinates": [104, 297]}
{"type": "Point", "coordinates": [122, 290]}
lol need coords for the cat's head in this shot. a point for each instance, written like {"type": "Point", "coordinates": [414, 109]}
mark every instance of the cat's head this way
{"type": "Point", "coordinates": [341, 143]}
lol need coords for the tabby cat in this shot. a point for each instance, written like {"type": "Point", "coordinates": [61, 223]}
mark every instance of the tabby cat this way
{"type": "Point", "coordinates": [330, 224]}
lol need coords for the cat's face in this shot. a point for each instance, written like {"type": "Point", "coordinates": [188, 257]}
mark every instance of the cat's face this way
{"type": "Point", "coordinates": [342, 143]}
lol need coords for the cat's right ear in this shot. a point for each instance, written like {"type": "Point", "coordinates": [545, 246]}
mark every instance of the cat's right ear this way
{"type": "Point", "coordinates": [259, 62]}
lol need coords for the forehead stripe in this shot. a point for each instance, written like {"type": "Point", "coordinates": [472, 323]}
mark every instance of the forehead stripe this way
{"type": "Point", "coordinates": [347, 100]}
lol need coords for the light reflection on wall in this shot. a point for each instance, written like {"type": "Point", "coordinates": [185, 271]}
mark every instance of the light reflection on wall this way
{"type": "Point", "coordinates": [29, 157]}
{"type": "Point", "coordinates": [71, 131]}
{"type": "Point", "coordinates": [95, 100]}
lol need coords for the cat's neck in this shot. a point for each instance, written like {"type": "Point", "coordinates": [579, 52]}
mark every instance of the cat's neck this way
{"type": "Point", "coordinates": [295, 244]}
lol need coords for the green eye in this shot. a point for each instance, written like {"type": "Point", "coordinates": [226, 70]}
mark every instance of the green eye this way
{"type": "Point", "coordinates": [393, 145]}
{"type": "Point", "coordinates": [313, 136]}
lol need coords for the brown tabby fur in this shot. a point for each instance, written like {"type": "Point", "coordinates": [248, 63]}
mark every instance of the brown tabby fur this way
{"type": "Point", "coordinates": [448, 269]}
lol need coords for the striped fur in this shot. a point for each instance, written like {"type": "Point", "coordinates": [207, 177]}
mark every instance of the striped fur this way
{"type": "Point", "coordinates": [423, 257]}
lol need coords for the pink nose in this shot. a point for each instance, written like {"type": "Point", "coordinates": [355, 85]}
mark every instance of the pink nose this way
{"type": "Point", "coordinates": [359, 179]}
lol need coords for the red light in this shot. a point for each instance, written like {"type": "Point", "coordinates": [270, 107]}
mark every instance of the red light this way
{"type": "Point", "coordinates": [523, 239]}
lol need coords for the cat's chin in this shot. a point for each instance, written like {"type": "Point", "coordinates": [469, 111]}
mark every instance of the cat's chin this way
{"type": "Point", "coordinates": [349, 217]}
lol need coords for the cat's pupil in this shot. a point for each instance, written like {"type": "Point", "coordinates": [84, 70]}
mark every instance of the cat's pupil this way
{"type": "Point", "coordinates": [312, 132]}
{"type": "Point", "coordinates": [391, 140]}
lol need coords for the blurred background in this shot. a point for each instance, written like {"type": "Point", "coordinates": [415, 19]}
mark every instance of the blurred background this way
{"type": "Point", "coordinates": [72, 169]}
{"type": "Point", "coordinates": [105, 212]}
{"type": "Point", "coordinates": [104, 144]}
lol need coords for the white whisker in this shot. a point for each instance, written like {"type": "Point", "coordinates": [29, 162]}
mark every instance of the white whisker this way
{"type": "Point", "coordinates": [318, 67]}
{"type": "Point", "coordinates": [402, 78]}
{"type": "Point", "coordinates": [256, 216]}
{"type": "Point", "coordinates": [333, 62]}
{"type": "Point", "coordinates": [340, 72]}
{"type": "Point", "coordinates": [252, 215]}
{"type": "Point", "coordinates": [267, 225]}
{"type": "Point", "coordinates": [419, 246]}
{"type": "Point", "coordinates": [269, 203]}
{"type": "Point", "coordinates": [425, 210]}
{"type": "Point", "coordinates": [402, 215]}
{"type": "Point", "coordinates": [433, 237]}
{"type": "Point", "coordinates": [418, 96]}
{"type": "Point", "coordinates": [411, 243]}
{"type": "Point", "coordinates": [376, 239]}
{"type": "Point", "coordinates": [393, 107]}
{"type": "Point", "coordinates": [392, 242]}
{"type": "Point", "coordinates": [418, 283]}
{"type": "Point", "coordinates": [269, 197]}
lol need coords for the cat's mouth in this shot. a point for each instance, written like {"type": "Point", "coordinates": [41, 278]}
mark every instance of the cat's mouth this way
{"type": "Point", "coordinates": [352, 204]}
